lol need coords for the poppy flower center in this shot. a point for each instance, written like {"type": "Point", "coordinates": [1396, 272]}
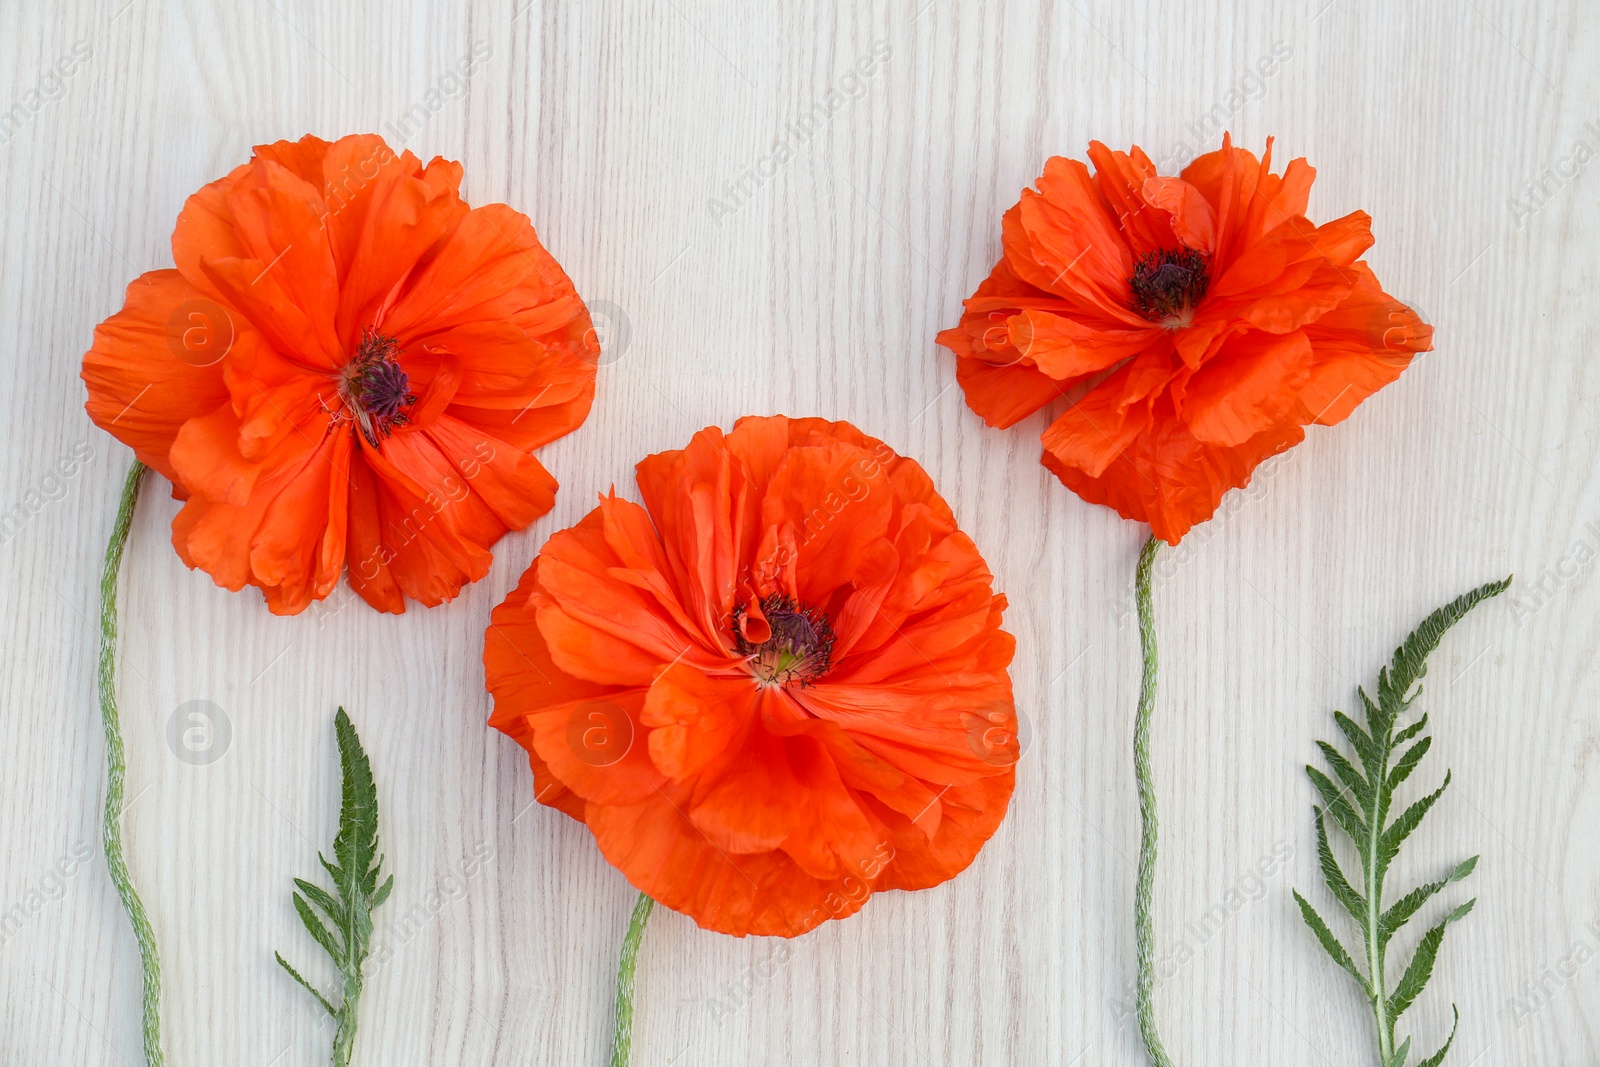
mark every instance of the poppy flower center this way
{"type": "Point", "coordinates": [1167, 284]}
{"type": "Point", "coordinates": [798, 644]}
{"type": "Point", "coordinates": [375, 388]}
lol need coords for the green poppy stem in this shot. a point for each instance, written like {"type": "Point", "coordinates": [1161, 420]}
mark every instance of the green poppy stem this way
{"type": "Point", "coordinates": [117, 769]}
{"type": "Point", "coordinates": [1143, 931]}
{"type": "Point", "coordinates": [622, 1037]}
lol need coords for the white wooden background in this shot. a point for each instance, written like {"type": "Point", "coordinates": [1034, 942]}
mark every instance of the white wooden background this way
{"type": "Point", "coordinates": [613, 126]}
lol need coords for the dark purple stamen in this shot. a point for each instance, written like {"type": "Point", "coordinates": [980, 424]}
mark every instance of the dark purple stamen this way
{"type": "Point", "coordinates": [375, 387]}
{"type": "Point", "coordinates": [383, 389]}
{"type": "Point", "coordinates": [1168, 284]}
{"type": "Point", "coordinates": [800, 647]}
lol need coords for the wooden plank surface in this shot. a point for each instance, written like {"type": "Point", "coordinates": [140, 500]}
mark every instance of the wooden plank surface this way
{"type": "Point", "coordinates": [625, 130]}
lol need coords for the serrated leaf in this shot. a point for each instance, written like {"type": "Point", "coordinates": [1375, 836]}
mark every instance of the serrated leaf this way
{"type": "Point", "coordinates": [1380, 720]}
{"type": "Point", "coordinates": [1338, 806]}
{"type": "Point", "coordinates": [308, 986]}
{"type": "Point", "coordinates": [321, 898]}
{"type": "Point", "coordinates": [383, 892]}
{"type": "Point", "coordinates": [1330, 943]}
{"type": "Point", "coordinates": [1410, 661]}
{"type": "Point", "coordinates": [1408, 762]}
{"type": "Point", "coordinates": [1366, 748]}
{"type": "Point", "coordinates": [1438, 1057]}
{"type": "Point", "coordinates": [1421, 966]}
{"type": "Point", "coordinates": [1401, 828]}
{"type": "Point", "coordinates": [1407, 906]}
{"type": "Point", "coordinates": [356, 844]}
{"type": "Point", "coordinates": [1346, 772]}
{"type": "Point", "coordinates": [324, 936]}
{"type": "Point", "coordinates": [1337, 883]}
{"type": "Point", "coordinates": [1411, 731]}
{"type": "Point", "coordinates": [1400, 1054]}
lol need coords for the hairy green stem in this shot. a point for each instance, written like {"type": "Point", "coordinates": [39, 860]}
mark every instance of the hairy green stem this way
{"type": "Point", "coordinates": [622, 1037]}
{"type": "Point", "coordinates": [117, 769]}
{"type": "Point", "coordinates": [1375, 954]}
{"type": "Point", "coordinates": [1143, 932]}
{"type": "Point", "coordinates": [344, 1035]}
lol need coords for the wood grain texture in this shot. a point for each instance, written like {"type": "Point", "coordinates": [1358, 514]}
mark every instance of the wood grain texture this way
{"type": "Point", "coordinates": [615, 126]}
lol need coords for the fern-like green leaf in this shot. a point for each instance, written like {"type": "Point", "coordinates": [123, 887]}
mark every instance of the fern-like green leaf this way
{"type": "Point", "coordinates": [1411, 658]}
{"type": "Point", "coordinates": [1360, 805]}
{"type": "Point", "coordinates": [320, 897]}
{"type": "Point", "coordinates": [1358, 738]}
{"type": "Point", "coordinates": [355, 870]}
{"type": "Point", "coordinates": [1438, 1057]}
{"type": "Point", "coordinates": [1390, 841]}
{"type": "Point", "coordinates": [1338, 804]}
{"type": "Point", "coordinates": [1411, 731]}
{"type": "Point", "coordinates": [1407, 906]}
{"type": "Point", "coordinates": [1329, 941]}
{"type": "Point", "coordinates": [1343, 891]}
{"type": "Point", "coordinates": [308, 986]}
{"type": "Point", "coordinates": [1354, 783]}
{"type": "Point", "coordinates": [314, 926]}
{"type": "Point", "coordinates": [1420, 968]}
{"type": "Point", "coordinates": [1409, 759]}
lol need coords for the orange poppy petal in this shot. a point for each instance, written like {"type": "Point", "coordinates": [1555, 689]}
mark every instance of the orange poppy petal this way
{"type": "Point", "coordinates": [508, 487]}
{"type": "Point", "coordinates": [1068, 349]}
{"type": "Point", "coordinates": [1169, 479]}
{"type": "Point", "coordinates": [420, 542]}
{"type": "Point", "coordinates": [369, 556]}
{"type": "Point", "coordinates": [767, 894]}
{"type": "Point", "coordinates": [140, 390]}
{"type": "Point", "coordinates": [1360, 346]}
{"type": "Point", "coordinates": [690, 495]}
{"type": "Point", "coordinates": [750, 805]}
{"type": "Point", "coordinates": [1004, 396]}
{"type": "Point", "coordinates": [1000, 385]}
{"type": "Point", "coordinates": [251, 289]}
{"type": "Point", "coordinates": [304, 158]}
{"type": "Point", "coordinates": [831, 835]}
{"type": "Point", "coordinates": [403, 217]}
{"type": "Point", "coordinates": [595, 746]}
{"type": "Point", "coordinates": [490, 267]}
{"type": "Point", "coordinates": [520, 674]}
{"type": "Point", "coordinates": [605, 623]}
{"type": "Point", "coordinates": [204, 230]}
{"type": "Point", "coordinates": [287, 539]}
{"type": "Point", "coordinates": [823, 493]}
{"type": "Point", "coordinates": [278, 220]}
{"type": "Point", "coordinates": [1096, 429]}
{"type": "Point", "coordinates": [972, 813]}
{"type": "Point", "coordinates": [1194, 220]}
{"type": "Point", "coordinates": [1121, 178]}
{"type": "Point", "coordinates": [1250, 386]}
{"type": "Point", "coordinates": [1061, 240]}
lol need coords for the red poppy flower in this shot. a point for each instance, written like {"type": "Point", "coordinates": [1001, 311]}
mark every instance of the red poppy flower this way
{"type": "Point", "coordinates": [348, 369]}
{"type": "Point", "coordinates": [1198, 323]}
{"type": "Point", "coordinates": [776, 688]}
